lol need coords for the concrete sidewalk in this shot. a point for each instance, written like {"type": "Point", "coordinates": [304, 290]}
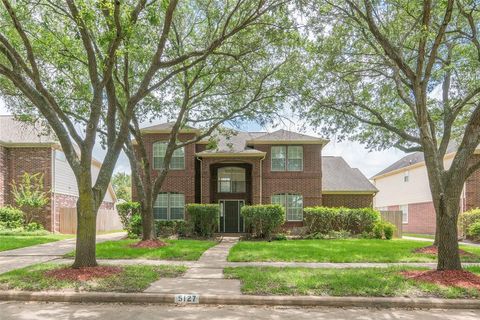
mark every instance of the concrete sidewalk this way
{"type": "Point", "coordinates": [204, 276]}
{"type": "Point", "coordinates": [23, 257]}
{"type": "Point", "coordinates": [461, 243]}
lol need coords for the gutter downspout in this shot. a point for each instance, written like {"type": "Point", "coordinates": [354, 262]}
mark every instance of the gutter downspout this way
{"type": "Point", "coordinates": [261, 179]}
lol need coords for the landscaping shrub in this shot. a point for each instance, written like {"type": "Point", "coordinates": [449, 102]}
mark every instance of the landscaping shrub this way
{"type": "Point", "coordinates": [383, 230]}
{"type": "Point", "coordinates": [467, 219]}
{"type": "Point", "coordinates": [473, 231]}
{"type": "Point", "coordinates": [342, 234]}
{"type": "Point", "coordinates": [170, 228]}
{"type": "Point", "coordinates": [129, 213]}
{"type": "Point", "coordinates": [11, 218]}
{"type": "Point", "coordinates": [33, 226]}
{"type": "Point", "coordinates": [203, 218]}
{"type": "Point", "coordinates": [263, 220]}
{"type": "Point", "coordinates": [324, 220]}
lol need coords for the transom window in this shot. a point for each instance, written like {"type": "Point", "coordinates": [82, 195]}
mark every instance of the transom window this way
{"type": "Point", "coordinates": [287, 158]}
{"type": "Point", "coordinates": [231, 179]}
{"type": "Point", "coordinates": [293, 204]}
{"type": "Point", "coordinates": [178, 158]}
{"type": "Point", "coordinates": [169, 206]}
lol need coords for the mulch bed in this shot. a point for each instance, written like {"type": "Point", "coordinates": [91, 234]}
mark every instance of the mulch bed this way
{"type": "Point", "coordinates": [149, 244]}
{"type": "Point", "coordinates": [450, 278]}
{"type": "Point", "coordinates": [83, 274]}
{"type": "Point", "coordinates": [434, 250]}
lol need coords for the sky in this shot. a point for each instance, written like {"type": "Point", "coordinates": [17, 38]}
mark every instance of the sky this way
{"type": "Point", "coordinates": [356, 155]}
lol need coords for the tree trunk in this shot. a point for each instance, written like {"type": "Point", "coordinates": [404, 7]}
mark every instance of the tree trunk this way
{"type": "Point", "coordinates": [86, 231]}
{"type": "Point", "coordinates": [447, 218]}
{"type": "Point", "coordinates": [148, 222]}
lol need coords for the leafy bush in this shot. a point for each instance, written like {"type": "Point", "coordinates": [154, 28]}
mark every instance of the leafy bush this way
{"type": "Point", "coordinates": [473, 230]}
{"type": "Point", "coordinates": [203, 218]}
{"type": "Point", "coordinates": [342, 234]}
{"type": "Point", "coordinates": [279, 237]}
{"type": "Point", "coordinates": [263, 220]}
{"type": "Point", "coordinates": [33, 226]}
{"type": "Point", "coordinates": [467, 219]}
{"type": "Point", "coordinates": [324, 220]}
{"type": "Point", "coordinates": [170, 228]}
{"type": "Point", "coordinates": [11, 218]}
{"type": "Point", "coordinates": [30, 196]}
{"type": "Point", "coordinates": [129, 213]}
{"type": "Point", "coordinates": [383, 230]}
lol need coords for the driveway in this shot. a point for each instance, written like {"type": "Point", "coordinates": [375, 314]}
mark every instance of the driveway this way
{"type": "Point", "coordinates": [48, 311]}
{"type": "Point", "coordinates": [23, 257]}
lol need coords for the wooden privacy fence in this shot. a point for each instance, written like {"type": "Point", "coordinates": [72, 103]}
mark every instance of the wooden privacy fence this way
{"type": "Point", "coordinates": [394, 217]}
{"type": "Point", "coordinates": [107, 220]}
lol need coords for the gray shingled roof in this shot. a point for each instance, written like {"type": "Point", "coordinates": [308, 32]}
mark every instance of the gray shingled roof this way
{"type": "Point", "coordinates": [338, 176]}
{"type": "Point", "coordinates": [410, 159]}
{"type": "Point", "coordinates": [167, 126]}
{"type": "Point", "coordinates": [233, 143]}
{"type": "Point", "coordinates": [13, 131]}
{"type": "Point", "coordinates": [285, 135]}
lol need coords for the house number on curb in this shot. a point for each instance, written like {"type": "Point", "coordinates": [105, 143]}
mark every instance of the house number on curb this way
{"type": "Point", "coordinates": [187, 298]}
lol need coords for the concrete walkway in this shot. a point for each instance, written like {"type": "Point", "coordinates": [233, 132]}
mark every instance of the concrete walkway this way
{"type": "Point", "coordinates": [204, 276]}
{"type": "Point", "coordinates": [23, 257]}
{"type": "Point", "coordinates": [461, 243]}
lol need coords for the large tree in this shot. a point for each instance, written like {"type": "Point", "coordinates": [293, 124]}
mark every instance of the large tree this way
{"type": "Point", "coordinates": [404, 74]}
{"type": "Point", "coordinates": [86, 65]}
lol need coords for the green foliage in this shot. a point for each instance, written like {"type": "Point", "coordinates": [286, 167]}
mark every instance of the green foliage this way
{"type": "Point", "coordinates": [324, 220]}
{"type": "Point", "coordinates": [263, 220]}
{"type": "Point", "coordinates": [332, 234]}
{"type": "Point", "coordinates": [473, 230]}
{"type": "Point", "coordinates": [172, 227]}
{"type": "Point", "coordinates": [467, 219]}
{"type": "Point", "coordinates": [203, 218]}
{"type": "Point", "coordinates": [30, 195]}
{"type": "Point", "coordinates": [129, 213]}
{"type": "Point", "coordinates": [33, 226]}
{"type": "Point", "coordinates": [383, 230]}
{"type": "Point", "coordinates": [11, 218]}
{"type": "Point", "coordinates": [122, 185]}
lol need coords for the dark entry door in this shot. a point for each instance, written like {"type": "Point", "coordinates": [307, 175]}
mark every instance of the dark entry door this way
{"type": "Point", "coordinates": [232, 221]}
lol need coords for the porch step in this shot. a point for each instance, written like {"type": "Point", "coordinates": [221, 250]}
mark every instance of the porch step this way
{"type": "Point", "coordinates": [231, 234]}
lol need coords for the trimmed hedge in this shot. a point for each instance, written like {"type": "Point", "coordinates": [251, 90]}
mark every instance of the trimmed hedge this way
{"type": "Point", "coordinates": [324, 220]}
{"type": "Point", "coordinates": [383, 230]}
{"type": "Point", "coordinates": [11, 218]}
{"type": "Point", "coordinates": [263, 220]}
{"type": "Point", "coordinates": [467, 219]}
{"type": "Point", "coordinates": [203, 218]}
{"type": "Point", "coordinates": [165, 228]}
{"type": "Point", "coordinates": [473, 231]}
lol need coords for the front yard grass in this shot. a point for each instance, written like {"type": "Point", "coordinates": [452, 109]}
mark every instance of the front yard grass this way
{"type": "Point", "coordinates": [344, 250]}
{"type": "Point", "coordinates": [175, 250]}
{"type": "Point", "coordinates": [10, 242]}
{"type": "Point", "coordinates": [420, 235]}
{"type": "Point", "coordinates": [133, 278]}
{"type": "Point", "coordinates": [369, 282]}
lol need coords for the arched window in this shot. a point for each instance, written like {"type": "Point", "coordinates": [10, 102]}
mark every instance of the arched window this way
{"type": "Point", "coordinates": [178, 158]}
{"type": "Point", "coordinates": [231, 179]}
{"type": "Point", "coordinates": [293, 204]}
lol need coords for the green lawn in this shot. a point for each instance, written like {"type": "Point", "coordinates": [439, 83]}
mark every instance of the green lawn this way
{"type": "Point", "coordinates": [419, 235]}
{"type": "Point", "coordinates": [176, 250]}
{"type": "Point", "coordinates": [10, 242]}
{"type": "Point", "coordinates": [134, 278]}
{"type": "Point", "coordinates": [371, 282]}
{"type": "Point", "coordinates": [345, 250]}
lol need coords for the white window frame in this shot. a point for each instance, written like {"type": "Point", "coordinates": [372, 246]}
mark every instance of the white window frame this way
{"type": "Point", "coordinates": [404, 209]}
{"type": "Point", "coordinates": [174, 155]}
{"type": "Point", "coordinates": [406, 176]}
{"type": "Point", "coordinates": [231, 174]}
{"type": "Point", "coordinates": [286, 159]}
{"type": "Point", "coordinates": [284, 202]}
{"type": "Point", "coordinates": [169, 205]}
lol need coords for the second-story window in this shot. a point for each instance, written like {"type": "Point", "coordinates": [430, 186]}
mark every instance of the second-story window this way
{"type": "Point", "coordinates": [178, 158]}
{"type": "Point", "coordinates": [287, 158]}
{"type": "Point", "coordinates": [231, 179]}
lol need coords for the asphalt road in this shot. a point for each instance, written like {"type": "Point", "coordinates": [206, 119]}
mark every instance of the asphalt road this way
{"type": "Point", "coordinates": [66, 311]}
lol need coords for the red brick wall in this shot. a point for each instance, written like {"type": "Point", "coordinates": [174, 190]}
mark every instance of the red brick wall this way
{"type": "Point", "coordinates": [31, 160]}
{"type": "Point", "coordinates": [307, 182]}
{"type": "Point", "coordinates": [3, 176]}
{"type": "Point", "coordinates": [348, 200]}
{"type": "Point", "coordinates": [472, 188]}
{"type": "Point", "coordinates": [182, 181]}
{"type": "Point", "coordinates": [421, 218]}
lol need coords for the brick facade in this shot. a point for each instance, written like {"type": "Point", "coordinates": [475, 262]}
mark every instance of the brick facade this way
{"type": "Point", "coordinates": [421, 218]}
{"type": "Point", "coordinates": [348, 200]}
{"type": "Point", "coordinates": [3, 176]}
{"type": "Point", "coordinates": [472, 188]}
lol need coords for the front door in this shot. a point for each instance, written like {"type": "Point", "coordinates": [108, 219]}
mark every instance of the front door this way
{"type": "Point", "coordinates": [230, 218]}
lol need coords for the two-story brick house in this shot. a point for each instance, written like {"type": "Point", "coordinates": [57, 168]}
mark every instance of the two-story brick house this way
{"type": "Point", "coordinates": [282, 167]}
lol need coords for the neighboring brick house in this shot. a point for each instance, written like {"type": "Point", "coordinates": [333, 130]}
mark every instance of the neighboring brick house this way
{"type": "Point", "coordinates": [404, 186]}
{"type": "Point", "coordinates": [252, 168]}
{"type": "Point", "coordinates": [31, 148]}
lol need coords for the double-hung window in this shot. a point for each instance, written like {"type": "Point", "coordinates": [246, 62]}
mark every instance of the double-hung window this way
{"type": "Point", "coordinates": [287, 158]}
{"type": "Point", "coordinates": [231, 179]}
{"type": "Point", "coordinates": [293, 204]}
{"type": "Point", "coordinates": [404, 209]}
{"type": "Point", "coordinates": [169, 206]}
{"type": "Point", "coordinates": [178, 158]}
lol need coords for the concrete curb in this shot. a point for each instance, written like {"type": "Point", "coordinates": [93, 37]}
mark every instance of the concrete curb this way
{"type": "Point", "coordinates": [112, 297]}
